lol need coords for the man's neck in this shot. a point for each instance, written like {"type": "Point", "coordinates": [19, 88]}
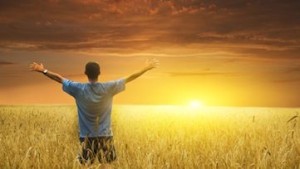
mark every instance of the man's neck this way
{"type": "Point", "coordinates": [93, 80]}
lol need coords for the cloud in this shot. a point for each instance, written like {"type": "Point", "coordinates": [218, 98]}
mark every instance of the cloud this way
{"type": "Point", "coordinates": [289, 74]}
{"type": "Point", "coordinates": [261, 28]}
{"type": "Point", "coordinates": [204, 73]}
{"type": "Point", "coordinates": [295, 69]}
{"type": "Point", "coordinates": [6, 63]}
{"type": "Point", "coordinates": [290, 80]}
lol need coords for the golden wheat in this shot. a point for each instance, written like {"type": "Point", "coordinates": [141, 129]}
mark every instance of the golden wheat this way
{"type": "Point", "coordinates": [149, 137]}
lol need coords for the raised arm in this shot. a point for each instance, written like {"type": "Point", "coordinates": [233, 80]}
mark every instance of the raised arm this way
{"type": "Point", "coordinates": [40, 68]}
{"type": "Point", "coordinates": [152, 63]}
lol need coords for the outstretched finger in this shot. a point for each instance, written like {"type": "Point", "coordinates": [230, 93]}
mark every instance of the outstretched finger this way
{"type": "Point", "coordinates": [33, 66]}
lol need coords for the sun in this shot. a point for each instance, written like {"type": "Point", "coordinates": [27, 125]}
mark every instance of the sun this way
{"type": "Point", "coordinates": [196, 104]}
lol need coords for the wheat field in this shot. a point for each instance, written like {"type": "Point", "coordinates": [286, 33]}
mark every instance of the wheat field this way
{"type": "Point", "coordinates": [155, 137]}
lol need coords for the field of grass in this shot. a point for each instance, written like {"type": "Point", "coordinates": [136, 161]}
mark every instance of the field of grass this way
{"type": "Point", "coordinates": [149, 137]}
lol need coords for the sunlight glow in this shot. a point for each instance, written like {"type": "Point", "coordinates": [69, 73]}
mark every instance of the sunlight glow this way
{"type": "Point", "coordinates": [196, 104]}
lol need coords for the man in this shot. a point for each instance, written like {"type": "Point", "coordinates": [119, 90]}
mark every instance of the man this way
{"type": "Point", "coordinates": [94, 106]}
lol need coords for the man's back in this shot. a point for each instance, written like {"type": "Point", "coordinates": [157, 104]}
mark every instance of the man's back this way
{"type": "Point", "coordinates": [94, 104]}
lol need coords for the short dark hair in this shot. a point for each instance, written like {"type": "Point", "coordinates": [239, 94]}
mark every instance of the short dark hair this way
{"type": "Point", "coordinates": [92, 70]}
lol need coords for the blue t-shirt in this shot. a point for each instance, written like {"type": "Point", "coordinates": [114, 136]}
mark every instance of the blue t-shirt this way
{"type": "Point", "coordinates": [94, 105]}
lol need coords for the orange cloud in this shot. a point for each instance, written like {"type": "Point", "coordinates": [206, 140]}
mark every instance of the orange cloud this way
{"type": "Point", "coordinates": [256, 39]}
{"type": "Point", "coordinates": [82, 24]}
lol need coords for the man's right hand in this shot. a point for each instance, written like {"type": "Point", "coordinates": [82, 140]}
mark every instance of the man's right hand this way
{"type": "Point", "coordinates": [152, 63]}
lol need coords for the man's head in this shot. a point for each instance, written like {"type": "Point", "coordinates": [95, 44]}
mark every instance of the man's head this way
{"type": "Point", "coordinates": [92, 70]}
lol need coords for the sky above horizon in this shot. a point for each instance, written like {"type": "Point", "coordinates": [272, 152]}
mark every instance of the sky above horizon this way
{"type": "Point", "coordinates": [222, 53]}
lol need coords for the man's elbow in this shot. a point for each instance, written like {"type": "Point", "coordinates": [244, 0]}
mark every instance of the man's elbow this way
{"type": "Point", "coordinates": [127, 80]}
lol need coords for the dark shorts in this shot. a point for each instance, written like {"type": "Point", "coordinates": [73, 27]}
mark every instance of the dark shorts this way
{"type": "Point", "coordinates": [100, 147]}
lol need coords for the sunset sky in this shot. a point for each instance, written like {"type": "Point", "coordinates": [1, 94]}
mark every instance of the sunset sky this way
{"type": "Point", "coordinates": [222, 53]}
